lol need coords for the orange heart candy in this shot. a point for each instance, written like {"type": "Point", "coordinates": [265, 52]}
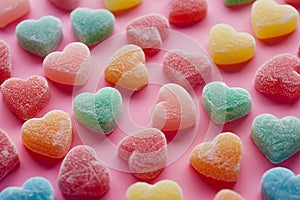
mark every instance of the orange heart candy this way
{"type": "Point", "coordinates": [50, 136]}
{"type": "Point", "coordinates": [220, 159]}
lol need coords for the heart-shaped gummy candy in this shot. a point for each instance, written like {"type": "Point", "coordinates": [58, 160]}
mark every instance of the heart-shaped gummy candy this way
{"type": "Point", "coordinates": [5, 61]}
{"type": "Point", "coordinates": [118, 5]}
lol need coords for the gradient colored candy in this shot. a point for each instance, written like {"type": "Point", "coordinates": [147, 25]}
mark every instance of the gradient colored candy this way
{"type": "Point", "coordinates": [118, 5]}
{"type": "Point", "coordinates": [280, 183]}
{"type": "Point", "coordinates": [33, 188]}
{"type": "Point", "coordinates": [174, 109]}
{"type": "Point", "coordinates": [279, 77]}
{"type": "Point", "coordinates": [9, 157]}
{"type": "Point", "coordinates": [270, 19]}
{"type": "Point", "coordinates": [98, 111]}
{"type": "Point", "coordinates": [92, 26]}
{"type": "Point", "coordinates": [65, 4]}
{"type": "Point", "coordinates": [70, 67]}
{"type": "Point", "coordinates": [220, 159]}
{"type": "Point", "coordinates": [25, 98]}
{"type": "Point", "coordinates": [12, 10]}
{"type": "Point", "coordinates": [82, 175]}
{"type": "Point", "coordinates": [5, 61]}
{"type": "Point", "coordinates": [187, 69]}
{"type": "Point", "coordinates": [186, 11]}
{"type": "Point", "coordinates": [127, 69]}
{"type": "Point", "coordinates": [224, 104]}
{"type": "Point", "coordinates": [278, 139]}
{"type": "Point", "coordinates": [236, 2]}
{"type": "Point", "coordinates": [226, 46]}
{"type": "Point", "coordinates": [145, 151]}
{"type": "Point", "coordinates": [148, 32]}
{"type": "Point", "coordinates": [164, 189]}
{"type": "Point", "coordinates": [39, 37]}
{"type": "Point", "coordinates": [227, 194]}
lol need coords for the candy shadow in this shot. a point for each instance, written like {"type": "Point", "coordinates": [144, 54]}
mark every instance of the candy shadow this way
{"type": "Point", "coordinates": [233, 67]}
{"type": "Point", "coordinates": [72, 197]}
{"type": "Point", "coordinates": [280, 100]}
{"type": "Point", "coordinates": [276, 40]}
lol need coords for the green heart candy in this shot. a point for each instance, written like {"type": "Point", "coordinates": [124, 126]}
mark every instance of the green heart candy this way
{"type": "Point", "coordinates": [99, 112]}
{"type": "Point", "coordinates": [236, 2]}
{"type": "Point", "coordinates": [224, 104]}
{"type": "Point", "coordinates": [278, 139]}
{"type": "Point", "coordinates": [92, 26]}
{"type": "Point", "coordinates": [39, 37]}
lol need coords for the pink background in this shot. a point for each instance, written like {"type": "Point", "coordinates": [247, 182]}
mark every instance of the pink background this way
{"type": "Point", "coordinates": [254, 164]}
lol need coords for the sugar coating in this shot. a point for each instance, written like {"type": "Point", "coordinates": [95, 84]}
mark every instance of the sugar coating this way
{"type": "Point", "coordinates": [269, 19]}
{"type": "Point", "coordinates": [5, 61]}
{"type": "Point", "coordinates": [280, 183]}
{"type": "Point", "coordinates": [92, 26]}
{"type": "Point", "coordinates": [279, 77]}
{"type": "Point", "coordinates": [278, 139]}
{"type": "Point", "coordinates": [227, 46]}
{"type": "Point", "coordinates": [148, 31]}
{"type": "Point", "coordinates": [187, 69]}
{"type": "Point", "coordinates": [119, 5]}
{"type": "Point", "coordinates": [50, 136]}
{"type": "Point", "coordinates": [12, 10]}
{"type": "Point", "coordinates": [70, 67]}
{"type": "Point", "coordinates": [127, 69]}
{"type": "Point", "coordinates": [224, 104]}
{"type": "Point", "coordinates": [186, 11]}
{"type": "Point", "coordinates": [65, 4]}
{"type": "Point", "coordinates": [9, 157]}
{"type": "Point", "coordinates": [98, 111]}
{"type": "Point", "coordinates": [146, 152]}
{"type": "Point", "coordinates": [39, 37]}
{"type": "Point", "coordinates": [25, 98]}
{"type": "Point", "coordinates": [220, 159]}
{"type": "Point", "coordinates": [227, 194]}
{"type": "Point", "coordinates": [174, 109]}
{"type": "Point", "coordinates": [33, 188]}
{"type": "Point", "coordinates": [236, 2]}
{"type": "Point", "coordinates": [81, 174]}
{"type": "Point", "coordinates": [164, 189]}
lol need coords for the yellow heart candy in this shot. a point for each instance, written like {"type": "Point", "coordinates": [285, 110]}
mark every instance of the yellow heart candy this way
{"type": "Point", "coordinates": [162, 190]}
{"type": "Point", "coordinates": [117, 5]}
{"type": "Point", "coordinates": [226, 46]}
{"type": "Point", "coordinates": [269, 19]}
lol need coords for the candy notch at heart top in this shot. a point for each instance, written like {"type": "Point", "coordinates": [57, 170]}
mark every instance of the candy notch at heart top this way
{"type": "Point", "coordinates": [280, 183]}
{"type": "Point", "coordinates": [12, 10]}
{"type": "Point", "coordinates": [270, 20]}
{"type": "Point", "coordinates": [5, 61]}
{"type": "Point", "coordinates": [33, 188]}
{"type": "Point", "coordinates": [25, 98]}
{"type": "Point", "coordinates": [92, 26]}
{"type": "Point", "coordinates": [70, 67]}
{"type": "Point", "coordinates": [39, 37]}
{"type": "Point", "coordinates": [119, 5]}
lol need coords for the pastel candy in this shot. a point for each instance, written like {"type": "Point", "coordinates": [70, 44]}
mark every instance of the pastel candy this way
{"type": "Point", "coordinates": [164, 189]}
{"type": "Point", "coordinates": [280, 183]}
{"type": "Point", "coordinates": [145, 151]}
{"type": "Point", "coordinates": [98, 111]}
{"type": "Point", "coordinates": [9, 157]}
{"type": "Point", "coordinates": [33, 188]}
{"type": "Point", "coordinates": [81, 174]}
{"type": "Point", "coordinates": [127, 69]}
{"type": "Point", "coordinates": [39, 37]}
{"type": "Point", "coordinates": [236, 2]}
{"type": "Point", "coordinates": [278, 77]}
{"type": "Point", "coordinates": [224, 104]}
{"type": "Point", "coordinates": [65, 4]}
{"type": "Point", "coordinates": [25, 98]}
{"type": "Point", "coordinates": [148, 32]}
{"type": "Point", "coordinates": [226, 46]}
{"type": "Point", "coordinates": [70, 67]}
{"type": "Point", "coordinates": [269, 19]}
{"type": "Point", "coordinates": [278, 139]}
{"type": "Point", "coordinates": [12, 10]}
{"type": "Point", "coordinates": [186, 11]}
{"type": "Point", "coordinates": [227, 194]}
{"type": "Point", "coordinates": [5, 61]}
{"type": "Point", "coordinates": [187, 69]}
{"type": "Point", "coordinates": [219, 159]}
{"type": "Point", "coordinates": [118, 5]}
{"type": "Point", "coordinates": [174, 109]}
{"type": "Point", "coordinates": [92, 26]}
{"type": "Point", "coordinates": [50, 136]}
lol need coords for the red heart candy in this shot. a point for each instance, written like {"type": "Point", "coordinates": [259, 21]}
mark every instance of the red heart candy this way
{"type": "Point", "coordinates": [5, 62]}
{"type": "Point", "coordinates": [81, 174]}
{"type": "Point", "coordinates": [25, 98]}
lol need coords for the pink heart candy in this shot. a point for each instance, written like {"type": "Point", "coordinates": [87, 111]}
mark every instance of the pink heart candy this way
{"type": "Point", "coordinates": [65, 4]}
{"type": "Point", "coordinates": [5, 61]}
